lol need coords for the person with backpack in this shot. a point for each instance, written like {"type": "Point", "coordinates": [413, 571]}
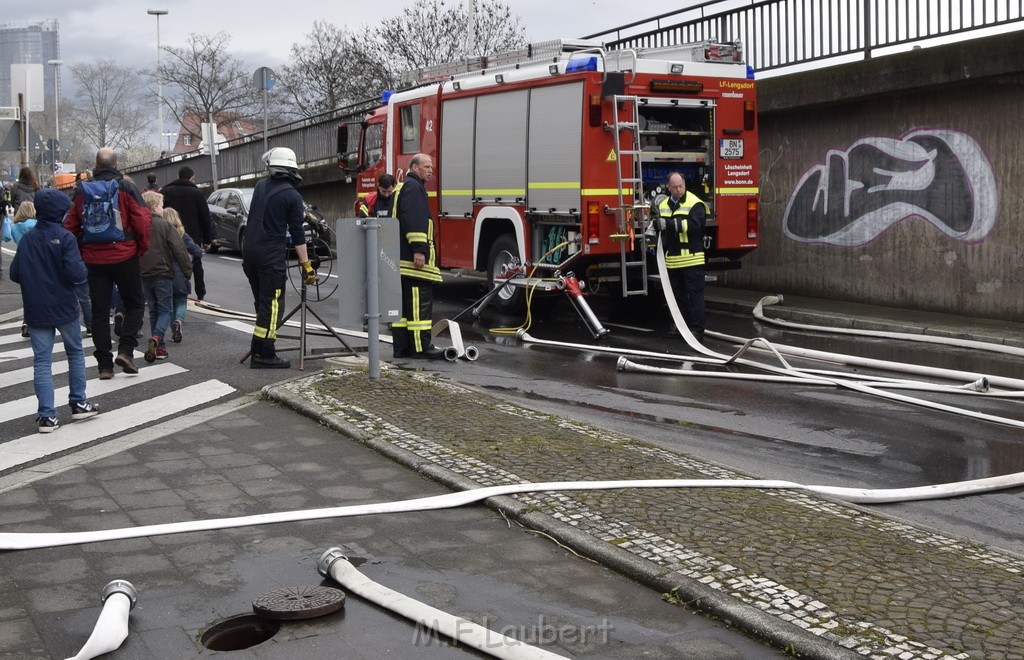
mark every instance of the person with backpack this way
{"type": "Point", "coordinates": [112, 224]}
{"type": "Point", "coordinates": [47, 266]}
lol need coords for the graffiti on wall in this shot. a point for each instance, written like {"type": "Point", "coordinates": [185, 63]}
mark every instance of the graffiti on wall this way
{"type": "Point", "coordinates": [942, 176]}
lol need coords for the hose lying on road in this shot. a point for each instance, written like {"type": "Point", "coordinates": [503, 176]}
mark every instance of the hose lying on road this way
{"type": "Point", "coordinates": [767, 301]}
{"type": "Point", "coordinates": [335, 565]}
{"type": "Point", "coordinates": [119, 598]}
{"type": "Point", "coordinates": [35, 540]}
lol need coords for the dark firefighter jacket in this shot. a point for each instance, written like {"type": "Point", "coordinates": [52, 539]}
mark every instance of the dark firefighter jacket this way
{"type": "Point", "coordinates": [684, 231]}
{"type": "Point", "coordinates": [417, 230]}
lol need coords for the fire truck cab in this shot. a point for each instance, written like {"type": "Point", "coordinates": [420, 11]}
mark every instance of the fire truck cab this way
{"type": "Point", "coordinates": [547, 160]}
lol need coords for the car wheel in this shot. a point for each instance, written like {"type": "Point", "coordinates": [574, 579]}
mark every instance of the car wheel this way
{"type": "Point", "coordinates": [241, 241]}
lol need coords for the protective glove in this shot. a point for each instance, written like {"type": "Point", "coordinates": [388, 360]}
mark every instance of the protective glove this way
{"type": "Point", "coordinates": [659, 223]}
{"type": "Point", "coordinates": [308, 274]}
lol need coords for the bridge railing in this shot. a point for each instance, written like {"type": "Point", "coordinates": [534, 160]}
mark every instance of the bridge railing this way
{"type": "Point", "coordinates": [314, 141]}
{"type": "Point", "coordinates": [783, 33]}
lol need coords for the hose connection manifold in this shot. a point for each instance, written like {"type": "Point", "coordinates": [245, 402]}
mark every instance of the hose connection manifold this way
{"type": "Point", "coordinates": [572, 288]}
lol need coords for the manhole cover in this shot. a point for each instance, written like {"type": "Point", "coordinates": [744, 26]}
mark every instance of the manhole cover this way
{"type": "Point", "coordinates": [293, 603]}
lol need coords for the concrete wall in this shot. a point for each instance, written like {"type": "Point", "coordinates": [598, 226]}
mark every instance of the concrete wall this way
{"type": "Point", "coordinates": [897, 181]}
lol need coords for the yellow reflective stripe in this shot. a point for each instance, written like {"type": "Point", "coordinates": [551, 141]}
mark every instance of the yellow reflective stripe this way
{"type": "Point", "coordinates": [553, 185]}
{"type": "Point", "coordinates": [362, 195]}
{"type": "Point", "coordinates": [684, 260]}
{"type": "Point", "coordinates": [416, 237]}
{"type": "Point", "coordinates": [428, 273]}
{"type": "Point", "coordinates": [501, 191]}
{"type": "Point", "coordinates": [275, 311]}
{"type": "Point", "coordinates": [417, 343]}
{"type": "Point", "coordinates": [432, 193]}
{"type": "Point", "coordinates": [259, 332]}
{"type": "Point", "coordinates": [401, 323]}
{"type": "Point", "coordinates": [607, 191]}
{"type": "Point", "coordinates": [417, 326]}
{"type": "Point", "coordinates": [736, 191]}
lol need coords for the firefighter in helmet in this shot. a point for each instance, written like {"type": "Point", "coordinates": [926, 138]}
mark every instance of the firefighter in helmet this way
{"type": "Point", "coordinates": [277, 210]}
{"type": "Point", "coordinates": [417, 264]}
{"type": "Point", "coordinates": [381, 202]}
{"type": "Point", "coordinates": [680, 218]}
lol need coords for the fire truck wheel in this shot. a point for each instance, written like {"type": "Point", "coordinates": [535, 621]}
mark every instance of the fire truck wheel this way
{"type": "Point", "coordinates": [504, 258]}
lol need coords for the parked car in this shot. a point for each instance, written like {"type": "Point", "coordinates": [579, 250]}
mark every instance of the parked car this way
{"type": "Point", "coordinates": [229, 210]}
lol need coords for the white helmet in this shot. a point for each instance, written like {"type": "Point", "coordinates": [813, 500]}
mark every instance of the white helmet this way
{"type": "Point", "coordinates": [280, 157]}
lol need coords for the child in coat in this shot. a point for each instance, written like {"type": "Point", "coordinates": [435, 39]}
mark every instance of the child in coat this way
{"type": "Point", "coordinates": [48, 265]}
{"type": "Point", "coordinates": [182, 287]}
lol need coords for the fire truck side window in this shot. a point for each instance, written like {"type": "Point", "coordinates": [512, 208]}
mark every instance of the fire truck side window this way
{"type": "Point", "coordinates": [374, 143]}
{"type": "Point", "coordinates": [410, 129]}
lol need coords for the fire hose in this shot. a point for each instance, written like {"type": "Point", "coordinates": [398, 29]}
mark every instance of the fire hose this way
{"type": "Point", "coordinates": [335, 565]}
{"type": "Point", "coordinates": [37, 540]}
{"type": "Point", "coordinates": [119, 598]}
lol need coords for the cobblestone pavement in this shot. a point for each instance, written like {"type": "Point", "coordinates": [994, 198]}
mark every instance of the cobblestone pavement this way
{"type": "Point", "coordinates": [817, 577]}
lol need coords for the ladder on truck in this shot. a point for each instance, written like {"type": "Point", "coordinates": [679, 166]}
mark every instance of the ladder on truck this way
{"type": "Point", "coordinates": [628, 157]}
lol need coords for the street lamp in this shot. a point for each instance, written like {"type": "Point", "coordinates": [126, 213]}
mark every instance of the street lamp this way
{"type": "Point", "coordinates": [56, 112]}
{"type": "Point", "coordinates": [159, 79]}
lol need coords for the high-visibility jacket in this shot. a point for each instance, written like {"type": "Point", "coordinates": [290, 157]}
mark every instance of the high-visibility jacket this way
{"type": "Point", "coordinates": [374, 205]}
{"type": "Point", "coordinates": [416, 229]}
{"type": "Point", "coordinates": [684, 229]}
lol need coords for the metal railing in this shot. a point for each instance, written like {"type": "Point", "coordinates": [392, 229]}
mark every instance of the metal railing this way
{"type": "Point", "coordinates": [314, 141]}
{"type": "Point", "coordinates": [784, 33]}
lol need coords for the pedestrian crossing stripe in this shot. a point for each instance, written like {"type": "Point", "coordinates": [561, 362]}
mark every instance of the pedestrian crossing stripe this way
{"type": "Point", "coordinates": [29, 405]}
{"type": "Point", "coordinates": [22, 353]}
{"type": "Point", "coordinates": [29, 449]}
{"type": "Point", "coordinates": [15, 338]}
{"type": "Point", "coordinates": [57, 367]}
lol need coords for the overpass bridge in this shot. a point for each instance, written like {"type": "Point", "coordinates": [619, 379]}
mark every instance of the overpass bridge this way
{"type": "Point", "coordinates": [889, 180]}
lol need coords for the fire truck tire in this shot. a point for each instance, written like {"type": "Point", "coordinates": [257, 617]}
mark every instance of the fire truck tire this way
{"type": "Point", "coordinates": [504, 255]}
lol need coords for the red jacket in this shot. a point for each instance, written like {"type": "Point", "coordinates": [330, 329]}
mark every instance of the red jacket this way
{"type": "Point", "coordinates": [134, 215]}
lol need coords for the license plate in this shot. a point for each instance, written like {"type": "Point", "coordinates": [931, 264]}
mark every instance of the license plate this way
{"type": "Point", "coordinates": [730, 148]}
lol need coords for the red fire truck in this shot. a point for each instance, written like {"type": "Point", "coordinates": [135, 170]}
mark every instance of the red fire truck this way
{"type": "Point", "coordinates": [547, 159]}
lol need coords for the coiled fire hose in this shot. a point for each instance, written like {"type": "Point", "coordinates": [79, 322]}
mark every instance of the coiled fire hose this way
{"type": "Point", "coordinates": [335, 565]}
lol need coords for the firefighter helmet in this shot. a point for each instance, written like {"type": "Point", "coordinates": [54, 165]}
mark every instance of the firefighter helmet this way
{"type": "Point", "coordinates": [280, 157]}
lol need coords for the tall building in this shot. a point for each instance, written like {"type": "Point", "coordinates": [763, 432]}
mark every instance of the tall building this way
{"type": "Point", "coordinates": [28, 42]}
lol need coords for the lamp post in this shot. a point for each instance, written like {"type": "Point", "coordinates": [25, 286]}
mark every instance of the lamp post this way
{"type": "Point", "coordinates": [159, 79]}
{"type": "Point", "coordinates": [56, 112]}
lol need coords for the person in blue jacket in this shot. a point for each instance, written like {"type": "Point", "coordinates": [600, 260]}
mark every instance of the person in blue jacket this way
{"type": "Point", "coordinates": [48, 265]}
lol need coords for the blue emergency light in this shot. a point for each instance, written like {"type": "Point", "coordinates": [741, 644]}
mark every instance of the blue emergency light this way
{"type": "Point", "coordinates": [386, 96]}
{"type": "Point", "coordinates": [585, 63]}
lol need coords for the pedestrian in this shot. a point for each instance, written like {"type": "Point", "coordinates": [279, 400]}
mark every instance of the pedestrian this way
{"type": "Point", "coordinates": [182, 288]}
{"type": "Point", "coordinates": [47, 266]}
{"type": "Point", "coordinates": [185, 197]}
{"type": "Point", "coordinates": [151, 183]}
{"type": "Point", "coordinates": [417, 264]}
{"type": "Point", "coordinates": [157, 270]}
{"type": "Point", "coordinates": [25, 188]}
{"type": "Point", "coordinates": [681, 218]}
{"type": "Point", "coordinates": [381, 202]}
{"type": "Point", "coordinates": [276, 211]}
{"type": "Point", "coordinates": [111, 251]}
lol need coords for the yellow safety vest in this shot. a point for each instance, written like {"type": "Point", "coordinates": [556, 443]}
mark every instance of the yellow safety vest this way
{"type": "Point", "coordinates": [683, 258]}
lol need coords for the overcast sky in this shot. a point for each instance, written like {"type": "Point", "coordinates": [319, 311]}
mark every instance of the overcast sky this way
{"type": "Point", "coordinates": [263, 31]}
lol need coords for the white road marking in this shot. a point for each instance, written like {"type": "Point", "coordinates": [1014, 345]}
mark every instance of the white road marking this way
{"type": "Point", "coordinates": [22, 353]}
{"type": "Point", "coordinates": [25, 375]}
{"type": "Point", "coordinates": [34, 447]}
{"type": "Point", "coordinates": [94, 388]}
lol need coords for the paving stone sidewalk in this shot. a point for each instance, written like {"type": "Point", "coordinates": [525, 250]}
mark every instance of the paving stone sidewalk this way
{"type": "Point", "coordinates": [818, 577]}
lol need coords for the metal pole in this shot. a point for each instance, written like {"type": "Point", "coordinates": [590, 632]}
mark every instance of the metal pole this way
{"type": "Point", "coordinates": [159, 79]}
{"type": "Point", "coordinates": [212, 147]}
{"type": "Point", "coordinates": [372, 304]}
{"type": "Point", "coordinates": [28, 114]}
{"type": "Point", "coordinates": [265, 110]}
{"type": "Point", "coordinates": [56, 112]}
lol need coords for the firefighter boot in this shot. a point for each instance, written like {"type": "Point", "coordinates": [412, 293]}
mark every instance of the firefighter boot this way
{"type": "Point", "coordinates": [267, 357]}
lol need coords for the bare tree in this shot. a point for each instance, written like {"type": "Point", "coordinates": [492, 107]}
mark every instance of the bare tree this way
{"type": "Point", "coordinates": [206, 81]}
{"type": "Point", "coordinates": [315, 78]}
{"type": "Point", "coordinates": [108, 110]}
{"type": "Point", "coordinates": [334, 67]}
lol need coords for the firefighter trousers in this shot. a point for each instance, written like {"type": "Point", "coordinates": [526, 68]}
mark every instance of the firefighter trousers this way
{"type": "Point", "coordinates": [688, 287]}
{"type": "Point", "coordinates": [267, 280]}
{"type": "Point", "coordinates": [411, 334]}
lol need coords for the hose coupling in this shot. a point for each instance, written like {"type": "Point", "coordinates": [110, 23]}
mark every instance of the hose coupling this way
{"type": "Point", "coordinates": [121, 587]}
{"type": "Point", "coordinates": [323, 567]}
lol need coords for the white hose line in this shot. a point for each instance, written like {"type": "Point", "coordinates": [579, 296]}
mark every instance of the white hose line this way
{"type": "Point", "coordinates": [119, 598]}
{"type": "Point", "coordinates": [36, 540]}
{"type": "Point", "coordinates": [767, 301]}
{"type": "Point", "coordinates": [333, 564]}
{"type": "Point", "coordinates": [458, 349]}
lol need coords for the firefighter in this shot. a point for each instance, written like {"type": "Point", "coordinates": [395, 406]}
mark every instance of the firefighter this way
{"type": "Point", "coordinates": [681, 218]}
{"type": "Point", "coordinates": [381, 202]}
{"type": "Point", "coordinates": [417, 264]}
{"type": "Point", "coordinates": [276, 210]}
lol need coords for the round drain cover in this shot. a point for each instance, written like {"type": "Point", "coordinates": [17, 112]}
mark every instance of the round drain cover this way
{"type": "Point", "coordinates": [293, 603]}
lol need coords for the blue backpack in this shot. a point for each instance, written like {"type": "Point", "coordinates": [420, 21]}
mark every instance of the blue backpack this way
{"type": "Point", "coordinates": [101, 212]}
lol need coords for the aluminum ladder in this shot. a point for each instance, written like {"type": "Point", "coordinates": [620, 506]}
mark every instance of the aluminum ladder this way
{"type": "Point", "coordinates": [632, 218]}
